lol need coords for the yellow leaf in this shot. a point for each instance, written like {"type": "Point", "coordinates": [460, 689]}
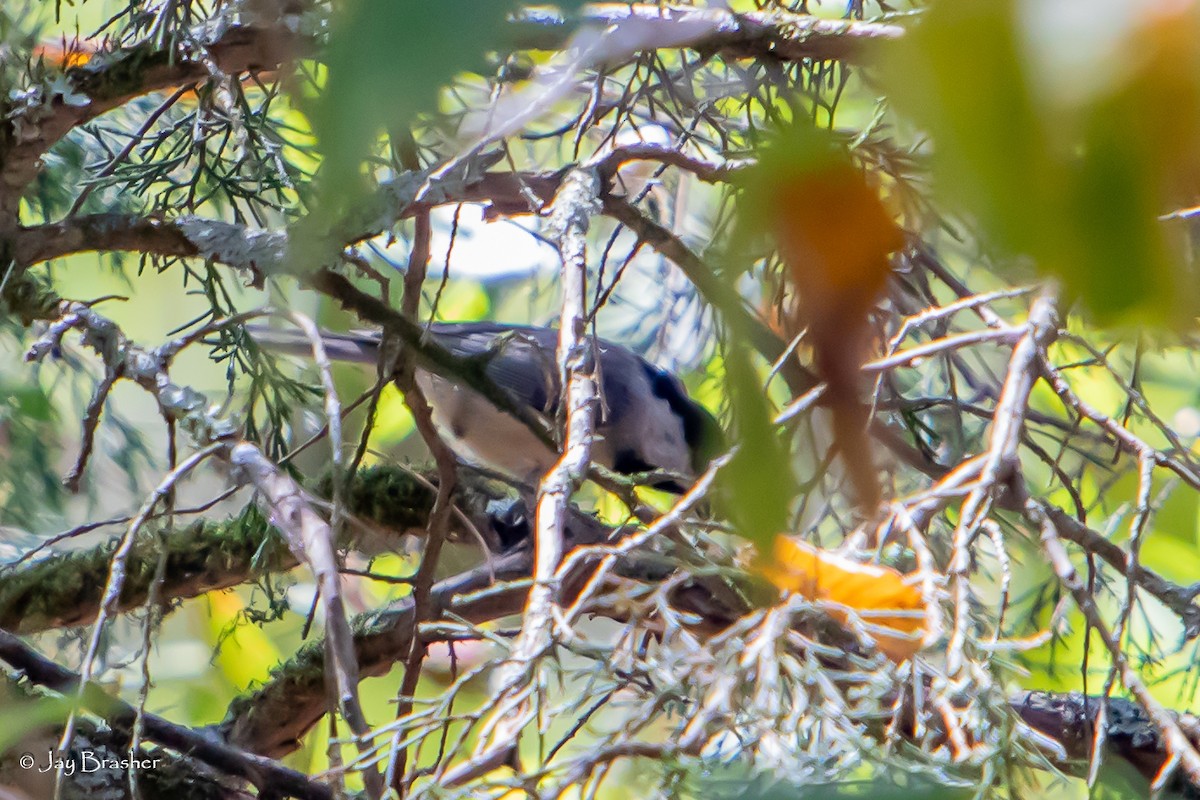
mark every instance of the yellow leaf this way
{"type": "Point", "coordinates": [246, 653]}
{"type": "Point", "coordinates": [889, 604]}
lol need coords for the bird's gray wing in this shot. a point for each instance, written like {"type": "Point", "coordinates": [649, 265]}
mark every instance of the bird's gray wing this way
{"type": "Point", "coordinates": [519, 359]}
{"type": "Point", "coordinates": [522, 360]}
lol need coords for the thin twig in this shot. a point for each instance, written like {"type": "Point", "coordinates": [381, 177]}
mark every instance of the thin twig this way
{"type": "Point", "coordinates": [116, 577]}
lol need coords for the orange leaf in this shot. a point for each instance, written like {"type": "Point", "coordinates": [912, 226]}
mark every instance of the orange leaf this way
{"type": "Point", "coordinates": [65, 57]}
{"type": "Point", "coordinates": [889, 604]}
{"type": "Point", "coordinates": [836, 237]}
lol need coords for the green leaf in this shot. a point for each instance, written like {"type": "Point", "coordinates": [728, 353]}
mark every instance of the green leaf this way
{"type": "Point", "coordinates": [758, 481]}
{"type": "Point", "coordinates": [959, 76]}
{"type": "Point", "coordinates": [388, 60]}
{"type": "Point", "coordinates": [29, 716]}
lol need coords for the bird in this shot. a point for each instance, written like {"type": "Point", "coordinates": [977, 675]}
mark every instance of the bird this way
{"type": "Point", "coordinates": [647, 423]}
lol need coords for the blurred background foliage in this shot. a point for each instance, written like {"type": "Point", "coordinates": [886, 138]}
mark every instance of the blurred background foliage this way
{"type": "Point", "coordinates": [1069, 133]}
{"type": "Point", "coordinates": [1017, 139]}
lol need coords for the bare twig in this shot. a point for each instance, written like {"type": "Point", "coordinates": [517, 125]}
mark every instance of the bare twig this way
{"type": "Point", "coordinates": [1177, 743]}
{"type": "Point", "coordinates": [314, 543]}
{"type": "Point", "coordinates": [91, 421]}
{"type": "Point", "coordinates": [116, 575]}
{"type": "Point", "coordinates": [573, 208]}
{"type": "Point", "coordinates": [999, 462]}
{"type": "Point", "coordinates": [310, 538]}
{"type": "Point", "coordinates": [753, 34]}
{"type": "Point", "coordinates": [437, 530]}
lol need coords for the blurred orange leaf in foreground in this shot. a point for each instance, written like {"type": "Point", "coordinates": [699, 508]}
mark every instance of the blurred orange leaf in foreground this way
{"type": "Point", "coordinates": [889, 604]}
{"type": "Point", "coordinates": [835, 237]}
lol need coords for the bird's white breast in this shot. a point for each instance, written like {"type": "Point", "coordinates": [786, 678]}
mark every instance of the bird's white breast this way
{"type": "Point", "coordinates": [483, 434]}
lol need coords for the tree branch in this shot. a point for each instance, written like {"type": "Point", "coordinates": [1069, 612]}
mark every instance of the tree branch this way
{"type": "Point", "coordinates": [1130, 732]}
{"type": "Point", "coordinates": [273, 719]}
{"type": "Point", "coordinates": [269, 777]}
{"type": "Point", "coordinates": [512, 710]}
{"type": "Point", "coordinates": [753, 34]}
{"type": "Point", "coordinates": [41, 118]}
{"type": "Point", "coordinates": [64, 589]}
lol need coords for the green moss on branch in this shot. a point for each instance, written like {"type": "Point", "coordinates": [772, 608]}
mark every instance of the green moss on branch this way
{"type": "Point", "coordinates": [65, 589]}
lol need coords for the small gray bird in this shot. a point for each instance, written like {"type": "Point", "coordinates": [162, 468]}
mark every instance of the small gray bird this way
{"type": "Point", "coordinates": [647, 421]}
